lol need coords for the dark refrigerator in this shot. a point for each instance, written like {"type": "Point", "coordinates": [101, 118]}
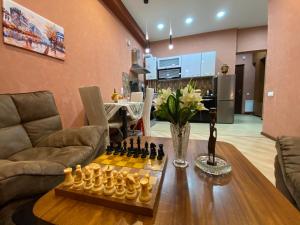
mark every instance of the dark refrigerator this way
{"type": "Point", "coordinates": [224, 87]}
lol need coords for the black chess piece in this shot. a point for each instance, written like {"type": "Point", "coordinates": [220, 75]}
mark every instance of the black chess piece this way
{"type": "Point", "coordinates": [146, 148]}
{"type": "Point", "coordinates": [138, 145]}
{"type": "Point", "coordinates": [131, 143]}
{"type": "Point", "coordinates": [124, 148]}
{"type": "Point", "coordinates": [108, 151]}
{"type": "Point", "coordinates": [161, 149]}
{"type": "Point", "coordinates": [129, 154]}
{"type": "Point", "coordinates": [152, 151]}
{"type": "Point", "coordinates": [118, 149]}
{"type": "Point", "coordinates": [144, 153]}
{"type": "Point", "coordinates": [160, 152]}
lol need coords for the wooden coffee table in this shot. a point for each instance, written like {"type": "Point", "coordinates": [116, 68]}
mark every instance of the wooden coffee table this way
{"type": "Point", "coordinates": [189, 197]}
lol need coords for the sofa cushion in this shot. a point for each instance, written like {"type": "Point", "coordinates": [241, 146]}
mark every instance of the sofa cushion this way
{"type": "Point", "coordinates": [67, 156]}
{"type": "Point", "coordinates": [12, 140]}
{"type": "Point", "coordinates": [8, 112]}
{"type": "Point", "coordinates": [288, 149]}
{"type": "Point", "coordinates": [83, 136]}
{"type": "Point", "coordinates": [42, 128]}
{"type": "Point", "coordinates": [35, 105]}
{"type": "Point", "coordinates": [27, 178]}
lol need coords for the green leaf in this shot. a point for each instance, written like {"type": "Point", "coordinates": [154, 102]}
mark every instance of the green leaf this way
{"type": "Point", "coordinates": [171, 102]}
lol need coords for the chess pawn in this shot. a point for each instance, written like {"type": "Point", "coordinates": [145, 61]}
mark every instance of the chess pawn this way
{"type": "Point", "coordinates": [88, 179]}
{"type": "Point", "coordinates": [98, 186]}
{"type": "Point", "coordinates": [120, 190]}
{"type": "Point", "coordinates": [131, 192]}
{"type": "Point", "coordinates": [68, 182]}
{"type": "Point", "coordinates": [137, 181]}
{"type": "Point", "coordinates": [147, 176]}
{"type": "Point", "coordinates": [78, 180]}
{"type": "Point", "coordinates": [109, 187]}
{"type": "Point", "coordinates": [145, 195]}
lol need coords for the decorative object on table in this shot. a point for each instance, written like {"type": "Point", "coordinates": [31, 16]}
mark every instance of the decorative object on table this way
{"type": "Point", "coordinates": [116, 96]}
{"type": "Point", "coordinates": [210, 163]}
{"type": "Point", "coordinates": [25, 29]}
{"type": "Point", "coordinates": [224, 69]}
{"type": "Point", "coordinates": [121, 182]}
{"type": "Point", "coordinates": [212, 138]}
{"type": "Point", "coordinates": [178, 108]}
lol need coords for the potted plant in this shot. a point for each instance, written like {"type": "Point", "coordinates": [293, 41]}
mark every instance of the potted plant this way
{"type": "Point", "coordinates": [178, 108]}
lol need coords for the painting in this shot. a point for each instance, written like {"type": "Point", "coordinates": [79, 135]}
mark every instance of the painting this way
{"type": "Point", "coordinates": [26, 29]}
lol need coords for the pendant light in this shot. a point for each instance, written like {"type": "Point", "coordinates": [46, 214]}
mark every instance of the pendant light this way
{"type": "Point", "coordinates": [171, 46]}
{"type": "Point", "coordinates": [147, 49]}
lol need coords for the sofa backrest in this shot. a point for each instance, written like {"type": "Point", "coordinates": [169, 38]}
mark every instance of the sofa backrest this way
{"type": "Point", "coordinates": [26, 118]}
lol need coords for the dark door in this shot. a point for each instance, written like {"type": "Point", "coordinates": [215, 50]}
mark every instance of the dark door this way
{"type": "Point", "coordinates": [239, 82]}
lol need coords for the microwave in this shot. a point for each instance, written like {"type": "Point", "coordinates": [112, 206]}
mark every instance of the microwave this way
{"type": "Point", "coordinates": [169, 73]}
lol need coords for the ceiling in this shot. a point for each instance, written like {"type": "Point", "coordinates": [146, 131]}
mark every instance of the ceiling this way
{"type": "Point", "coordinates": [239, 14]}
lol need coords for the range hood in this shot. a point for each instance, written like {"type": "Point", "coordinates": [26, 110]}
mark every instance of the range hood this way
{"type": "Point", "coordinates": [135, 67]}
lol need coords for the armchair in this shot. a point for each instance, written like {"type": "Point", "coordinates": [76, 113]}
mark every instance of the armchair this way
{"type": "Point", "coordinates": [287, 168]}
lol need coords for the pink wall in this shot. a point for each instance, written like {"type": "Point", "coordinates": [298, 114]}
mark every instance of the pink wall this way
{"type": "Point", "coordinates": [252, 39]}
{"type": "Point", "coordinates": [97, 54]}
{"type": "Point", "coordinates": [281, 112]}
{"type": "Point", "coordinates": [223, 42]}
{"type": "Point", "coordinates": [249, 76]}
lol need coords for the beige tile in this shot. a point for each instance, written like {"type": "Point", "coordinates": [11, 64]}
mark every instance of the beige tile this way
{"type": "Point", "coordinates": [244, 134]}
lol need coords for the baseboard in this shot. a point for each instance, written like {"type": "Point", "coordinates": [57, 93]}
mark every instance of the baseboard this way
{"type": "Point", "coordinates": [268, 136]}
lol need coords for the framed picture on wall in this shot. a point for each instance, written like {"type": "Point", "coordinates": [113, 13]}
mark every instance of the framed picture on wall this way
{"type": "Point", "coordinates": [26, 29]}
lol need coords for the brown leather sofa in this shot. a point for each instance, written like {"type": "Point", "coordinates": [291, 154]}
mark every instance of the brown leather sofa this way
{"type": "Point", "coordinates": [34, 149]}
{"type": "Point", "coordinates": [287, 168]}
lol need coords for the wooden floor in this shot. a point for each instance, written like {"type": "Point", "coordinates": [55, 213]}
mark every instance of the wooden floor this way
{"type": "Point", "coordinates": [244, 134]}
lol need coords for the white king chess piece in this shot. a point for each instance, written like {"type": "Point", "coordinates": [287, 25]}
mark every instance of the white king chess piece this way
{"type": "Point", "coordinates": [98, 185]}
{"type": "Point", "coordinates": [109, 187]}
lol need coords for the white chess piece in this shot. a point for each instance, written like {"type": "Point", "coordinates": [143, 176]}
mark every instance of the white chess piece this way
{"type": "Point", "coordinates": [78, 180]}
{"type": "Point", "coordinates": [147, 176]}
{"type": "Point", "coordinates": [137, 181]}
{"type": "Point", "coordinates": [68, 182]}
{"type": "Point", "coordinates": [109, 187]}
{"type": "Point", "coordinates": [145, 195]}
{"type": "Point", "coordinates": [88, 180]}
{"type": "Point", "coordinates": [131, 192]}
{"type": "Point", "coordinates": [120, 190]}
{"type": "Point", "coordinates": [98, 185]}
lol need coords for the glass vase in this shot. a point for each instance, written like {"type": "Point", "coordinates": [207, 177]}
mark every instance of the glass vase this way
{"type": "Point", "coordinates": [180, 138]}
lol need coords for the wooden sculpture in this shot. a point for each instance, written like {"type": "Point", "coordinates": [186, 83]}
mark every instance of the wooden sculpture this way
{"type": "Point", "coordinates": [212, 137]}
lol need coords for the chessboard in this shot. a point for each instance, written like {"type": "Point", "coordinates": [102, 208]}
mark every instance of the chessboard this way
{"type": "Point", "coordinates": [132, 188]}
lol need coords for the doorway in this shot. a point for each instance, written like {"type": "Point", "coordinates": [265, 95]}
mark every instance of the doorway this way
{"type": "Point", "coordinates": [259, 60]}
{"type": "Point", "coordinates": [239, 85]}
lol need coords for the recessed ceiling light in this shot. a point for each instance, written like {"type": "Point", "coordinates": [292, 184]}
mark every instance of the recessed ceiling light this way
{"type": "Point", "coordinates": [160, 26]}
{"type": "Point", "coordinates": [189, 20]}
{"type": "Point", "coordinates": [221, 14]}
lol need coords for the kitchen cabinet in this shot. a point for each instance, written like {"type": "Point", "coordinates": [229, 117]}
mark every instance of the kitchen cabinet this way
{"type": "Point", "coordinates": [191, 65]}
{"type": "Point", "coordinates": [208, 63]}
{"type": "Point", "coordinates": [150, 64]}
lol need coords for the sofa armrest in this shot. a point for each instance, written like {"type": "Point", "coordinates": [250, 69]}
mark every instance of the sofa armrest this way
{"type": "Point", "coordinates": [288, 152]}
{"type": "Point", "coordinates": [84, 136]}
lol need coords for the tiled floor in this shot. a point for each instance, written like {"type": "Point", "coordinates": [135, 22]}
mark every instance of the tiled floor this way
{"type": "Point", "coordinates": [244, 134]}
